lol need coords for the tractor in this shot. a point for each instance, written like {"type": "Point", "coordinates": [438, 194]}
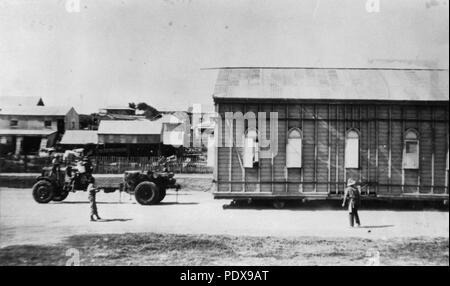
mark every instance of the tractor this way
{"type": "Point", "coordinates": [55, 183]}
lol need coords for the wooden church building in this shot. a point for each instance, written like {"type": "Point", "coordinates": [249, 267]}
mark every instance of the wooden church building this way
{"type": "Point", "coordinates": [387, 128]}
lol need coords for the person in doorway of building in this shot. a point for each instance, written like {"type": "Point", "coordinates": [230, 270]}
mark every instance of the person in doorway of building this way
{"type": "Point", "coordinates": [92, 190]}
{"type": "Point", "coordinates": [354, 199]}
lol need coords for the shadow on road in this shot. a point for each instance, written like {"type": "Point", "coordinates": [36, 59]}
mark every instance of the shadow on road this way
{"type": "Point", "coordinates": [376, 226]}
{"type": "Point", "coordinates": [114, 219]}
{"type": "Point", "coordinates": [175, 203]}
{"type": "Point", "coordinates": [337, 205]}
{"type": "Point", "coordinates": [83, 202]}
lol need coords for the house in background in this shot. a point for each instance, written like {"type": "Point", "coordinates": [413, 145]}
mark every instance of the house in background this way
{"type": "Point", "coordinates": [25, 130]}
{"type": "Point", "coordinates": [117, 110]}
{"type": "Point", "coordinates": [6, 101]}
{"type": "Point", "coordinates": [191, 129]}
{"type": "Point", "coordinates": [203, 124]}
{"type": "Point", "coordinates": [86, 139]}
{"type": "Point", "coordinates": [116, 113]}
{"type": "Point", "coordinates": [130, 137]}
{"type": "Point", "coordinates": [387, 127]}
{"type": "Point", "coordinates": [174, 129]}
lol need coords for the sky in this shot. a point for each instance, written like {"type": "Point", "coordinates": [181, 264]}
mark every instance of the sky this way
{"type": "Point", "coordinates": [111, 52]}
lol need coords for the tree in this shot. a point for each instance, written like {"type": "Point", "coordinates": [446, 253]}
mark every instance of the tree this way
{"type": "Point", "coordinates": [87, 121]}
{"type": "Point", "coordinates": [132, 105]}
{"type": "Point", "coordinates": [149, 111]}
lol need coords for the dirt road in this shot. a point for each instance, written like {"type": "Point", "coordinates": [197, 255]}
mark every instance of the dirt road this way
{"type": "Point", "coordinates": [23, 221]}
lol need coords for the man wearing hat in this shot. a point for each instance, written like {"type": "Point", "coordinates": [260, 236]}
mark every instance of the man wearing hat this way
{"type": "Point", "coordinates": [354, 199]}
{"type": "Point", "coordinates": [88, 182]}
{"type": "Point", "coordinates": [92, 189]}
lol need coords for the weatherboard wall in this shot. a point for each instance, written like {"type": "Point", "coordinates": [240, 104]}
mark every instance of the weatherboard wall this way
{"type": "Point", "coordinates": [381, 126]}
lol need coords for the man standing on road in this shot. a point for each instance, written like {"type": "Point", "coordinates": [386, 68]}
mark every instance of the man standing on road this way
{"type": "Point", "coordinates": [92, 193]}
{"type": "Point", "coordinates": [354, 200]}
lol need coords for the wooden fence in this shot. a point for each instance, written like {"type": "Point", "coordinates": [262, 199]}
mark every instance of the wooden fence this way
{"type": "Point", "coordinates": [23, 164]}
{"type": "Point", "coordinates": [109, 164]}
{"type": "Point", "coordinates": [117, 165]}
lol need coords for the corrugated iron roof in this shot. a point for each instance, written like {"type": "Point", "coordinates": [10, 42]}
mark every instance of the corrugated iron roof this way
{"type": "Point", "coordinates": [79, 137]}
{"type": "Point", "coordinates": [20, 101]}
{"type": "Point", "coordinates": [131, 127]}
{"type": "Point", "coordinates": [29, 132]}
{"type": "Point", "coordinates": [122, 117]}
{"type": "Point", "coordinates": [35, 110]}
{"type": "Point", "coordinates": [332, 83]}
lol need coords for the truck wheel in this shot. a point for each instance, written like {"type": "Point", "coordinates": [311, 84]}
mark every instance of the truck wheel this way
{"type": "Point", "coordinates": [43, 192]}
{"type": "Point", "coordinates": [61, 197]}
{"type": "Point", "coordinates": [146, 193]}
{"type": "Point", "coordinates": [162, 194]}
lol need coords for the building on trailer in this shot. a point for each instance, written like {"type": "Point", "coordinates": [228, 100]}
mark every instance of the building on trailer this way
{"type": "Point", "coordinates": [385, 127]}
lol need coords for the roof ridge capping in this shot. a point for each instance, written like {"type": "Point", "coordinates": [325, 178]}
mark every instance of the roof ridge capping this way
{"type": "Point", "coordinates": [327, 68]}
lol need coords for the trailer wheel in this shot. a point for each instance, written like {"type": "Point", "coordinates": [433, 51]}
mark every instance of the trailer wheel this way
{"type": "Point", "coordinates": [43, 192]}
{"type": "Point", "coordinates": [61, 197]}
{"type": "Point", "coordinates": [279, 204]}
{"type": "Point", "coordinates": [146, 193]}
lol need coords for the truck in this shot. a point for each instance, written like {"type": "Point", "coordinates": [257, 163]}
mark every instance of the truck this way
{"type": "Point", "coordinates": [148, 187]}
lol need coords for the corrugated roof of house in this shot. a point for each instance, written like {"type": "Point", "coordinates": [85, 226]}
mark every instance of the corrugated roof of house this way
{"type": "Point", "coordinates": [123, 117]}
{"type": "Point", "coordinates": [79, 137]}
{"type": "Point", "coordinates": [130, 127]}
{"type": "Point", "coordinates": [35, 110]}
{"type": "Point", "coordinates": [333, 83]}
{"type": "Point", "coordinates": [20, 101]}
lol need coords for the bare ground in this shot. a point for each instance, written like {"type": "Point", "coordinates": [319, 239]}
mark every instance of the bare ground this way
{"type": "Point", "coordinates": [192, 229]}
{"type": "Point", "coordinates": [175, 249]}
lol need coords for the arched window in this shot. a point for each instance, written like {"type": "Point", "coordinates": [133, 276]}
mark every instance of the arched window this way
{"type": "Point", "coordinates": [352, 149]}
{"type": "Point", "coordinates": [294, 148]}
{"type": "Point", "coordinates": [411, 150]}
{"type": "Point", "coordinates": [251, 149]}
